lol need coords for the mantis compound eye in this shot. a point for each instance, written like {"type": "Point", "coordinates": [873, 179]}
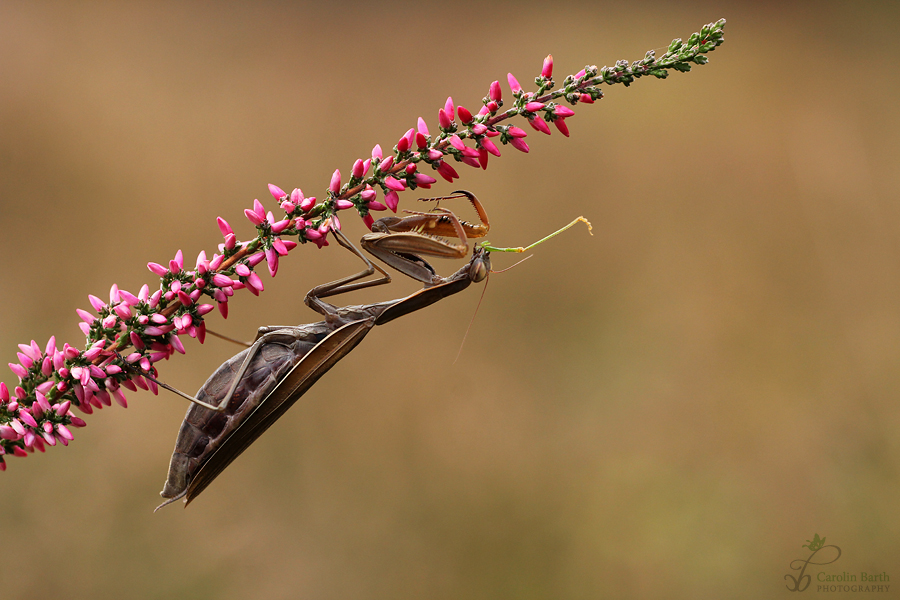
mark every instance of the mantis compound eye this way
{"type": "Point", "coordinates": [479, 269]}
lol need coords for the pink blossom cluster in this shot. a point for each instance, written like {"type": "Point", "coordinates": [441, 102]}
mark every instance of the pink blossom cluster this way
{"type": "Point", "coordinates": [53, 381]}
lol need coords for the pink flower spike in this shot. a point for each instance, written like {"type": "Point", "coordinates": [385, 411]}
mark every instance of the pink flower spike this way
{"type": "Point", "coordinates": [176, 343]}
{"type": "Point", "coordinates": [464, 115]}
{"type": "Point", "coordinates": [253, 217]}
{"type": "Point", "coordinates": [157, 269]}
{"type": "Point", "coordinates": [394, 184]}
{"type": "Point", "coordinates": [517, 132]}
{"type": "Point", "coordinates": [513, 83]}
{"type": "Point", "coordinates": [490, 146]}
{"type": "Point", "coordinates": [276, 192]}
{"type": "Point", "coordinates": [422, 127]}
{"type": "Point", "coordinates": [519, 144]}
{"type": "Point", "coordinates": [343, 204]}
{"type": "Point", "coordinates": [561, 125]}
{"type": "Point", "coordinates": [448, 107]}
{"type": "Point", "coordinates": [392, 200]}
{"type": "Point", "coordinates": [96, 302]}
{"type": "Point", "coordinates": [357, 171]}
{"type": "Point", "coordinates": [547, 69]}
{"type": "Point", "coordinates": [495, 93]}
{"type": "Point", "coordinates": [335, 185]}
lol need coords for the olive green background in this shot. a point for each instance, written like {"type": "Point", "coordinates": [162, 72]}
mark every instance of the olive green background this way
{"type": "Point", "coordinates": [667, 409]}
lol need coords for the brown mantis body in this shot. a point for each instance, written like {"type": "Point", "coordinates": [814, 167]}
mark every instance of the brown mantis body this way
{"type": "Point", "coordinates": [250, 391]}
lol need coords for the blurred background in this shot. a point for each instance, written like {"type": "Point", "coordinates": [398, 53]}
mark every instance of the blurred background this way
{"type": "Point", "coordinates": [669, 408]}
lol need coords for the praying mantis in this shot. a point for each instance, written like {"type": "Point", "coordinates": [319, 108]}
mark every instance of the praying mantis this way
{"type": "Point", "coordinates": [253, 389]}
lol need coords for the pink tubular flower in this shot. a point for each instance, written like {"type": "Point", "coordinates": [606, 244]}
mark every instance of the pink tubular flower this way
{"type": "Point", "coordinates": [490, 146]}
{"type": "Point", "coordinates": [495, 93]}
{"type": "Point", "coordinates": [547, 69]}
{"type": "Point", "coordinates": [561, 125]}
{"type": "Point", "coordinates": [513, 83]}
{"type": "Point", "coordinates": [394, 184]}
{"type": "Point", "coordinates": [157, 269]}
{"type": "Point", "coordinates": [224, 227]}
{"type": "Point", "coordinates": [392, 200]}
{"type": "Point", "coordinates": [422, 127]}
{"type": "Point", "coordinates": [335, 186]}
{"type": "Point", "coordinates": [519, 144]}
{"type": "Point", "coordinates": [539, 124]}
{"type": "Point", "coordinates": [447, 172]}
{"type": "Point", "coordinates": [534, 106]}
{"type": "Point", "coordinates": [517, 132]}
{"type": "Point", "coordinates": [357, 171]}
{"type": "Point", "coordinates": [448, 107]}
{"type": "Point", "coordinates": [424, 181]}
{"type": "Point", "coordinates": [464, 115]}
{"type": "Point", "coordinates": [276, 192]}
